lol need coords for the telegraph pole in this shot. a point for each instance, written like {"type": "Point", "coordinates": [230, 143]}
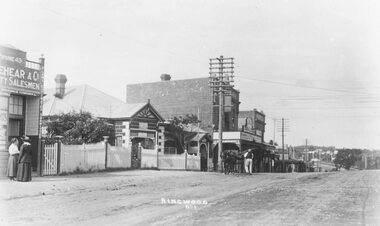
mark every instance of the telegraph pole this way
{"type": "Point", "coordinates": [274, 130]}
{"type": "Point", "coordinates": [221, 81]}
{"type": "Point", "coordinates": [283, 148]}
{"type": "Point", "coordinates": [283, 129]}
{"type": "Point", "coordinates": [306, 152]}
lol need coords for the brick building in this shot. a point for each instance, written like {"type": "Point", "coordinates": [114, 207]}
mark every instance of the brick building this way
{"type": "Point", "coordinates": [173, 98]}
{"type": "Point", "coordinates": [254, 123]}
{"type": "Point", "coordinates": [252, 126]}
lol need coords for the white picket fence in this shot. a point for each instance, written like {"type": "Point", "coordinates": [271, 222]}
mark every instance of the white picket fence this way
{"type": "Point", "coordinates": [83, 158]}
{"type": "Point", "coordinates": [172, 161]}
{"type": "Point", "coordinates": [119, 157]}
{"type": "Point", "coordinates": [50, 159]}
{"type": "Point", "coordinates": [193, 162]}
{"type": "Point", "coordinates": [148, 158]}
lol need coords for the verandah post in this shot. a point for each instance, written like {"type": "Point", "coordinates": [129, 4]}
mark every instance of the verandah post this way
{"type": "Point", "coordinates": [106, 151]}
{"type": "Point", "coordinates": [40, 157]}
{"type": "Point", "coordinates": [185, 159]}
{"type": "Point", "coordinates": [59, 144]}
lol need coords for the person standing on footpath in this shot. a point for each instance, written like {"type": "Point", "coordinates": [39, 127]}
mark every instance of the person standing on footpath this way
{"type": "Point", "coordinates": [13, 159]}
{"type": "Point", "coordinates": [24, 172]}
{"type": "Point", "coordinates": [248, 161]}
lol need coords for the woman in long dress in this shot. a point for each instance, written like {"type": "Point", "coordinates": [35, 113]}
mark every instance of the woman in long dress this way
{"type": "Point", "coordinates": [13, 159]}
{"type": "Point", "coordinates": [24, 172]}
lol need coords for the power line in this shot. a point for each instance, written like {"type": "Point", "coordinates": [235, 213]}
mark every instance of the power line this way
{"type": "Point", "coordinates": [300, 86]}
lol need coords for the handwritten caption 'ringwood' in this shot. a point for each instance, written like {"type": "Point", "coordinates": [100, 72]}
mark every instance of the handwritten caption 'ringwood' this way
{"type": "Point", "coordinates": [189, 204]}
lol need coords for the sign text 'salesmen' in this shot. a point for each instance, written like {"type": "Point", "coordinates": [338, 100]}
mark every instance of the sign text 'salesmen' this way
{"type": "Point", "coordinates": [25, 78]}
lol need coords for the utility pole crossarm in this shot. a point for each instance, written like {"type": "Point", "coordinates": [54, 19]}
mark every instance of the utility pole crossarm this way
{"type": "Point", "coordinates": [221, 81]}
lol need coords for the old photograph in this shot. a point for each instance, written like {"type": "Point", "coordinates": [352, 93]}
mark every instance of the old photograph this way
{"type": "Point", "coordinates": [189, 112]}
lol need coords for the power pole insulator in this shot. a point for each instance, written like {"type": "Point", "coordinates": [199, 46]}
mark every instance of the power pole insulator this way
{"type": "Point", "coordinates": [221, 81]}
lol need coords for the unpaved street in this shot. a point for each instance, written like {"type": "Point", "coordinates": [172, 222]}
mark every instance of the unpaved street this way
{"type": "Point", "coordinates": [194, 198]}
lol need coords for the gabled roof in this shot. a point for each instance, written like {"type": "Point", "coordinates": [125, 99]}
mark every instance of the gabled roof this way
{"type": "Point", "coordinates": [82, 98]}
{"type": "Point", "coordinates": [127, 111]}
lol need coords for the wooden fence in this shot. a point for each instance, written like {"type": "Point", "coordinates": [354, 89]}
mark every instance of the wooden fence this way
{"type": "Point", "coordinates": [149, 158]}
{"type": "Point", "coordinates": [119, 157]}
{"type": "Point", "coordinates": [50, 159]}
{"type": "Point", "coordinates": [193, 162]}
{"type": "Point", "coordinates": [172, 161]}
{"type": "Point", "coordinates": [83, 158]}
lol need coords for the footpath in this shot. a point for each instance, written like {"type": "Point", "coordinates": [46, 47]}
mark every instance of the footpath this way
{"type": "Point", "coordinates": [48, 185]}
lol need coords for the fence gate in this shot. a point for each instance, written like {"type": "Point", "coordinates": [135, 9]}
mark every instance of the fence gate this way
{"type": "Point", "coordinates": [50, 160]}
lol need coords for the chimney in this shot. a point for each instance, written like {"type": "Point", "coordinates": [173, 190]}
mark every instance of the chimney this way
{"type": "Point", "coordinates": [165, 77]}
{"type": "Point", "coordinates": [60, 81]}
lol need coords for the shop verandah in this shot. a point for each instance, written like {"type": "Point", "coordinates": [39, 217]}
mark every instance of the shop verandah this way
{"type": "Point", "coordinates": [239, 143]}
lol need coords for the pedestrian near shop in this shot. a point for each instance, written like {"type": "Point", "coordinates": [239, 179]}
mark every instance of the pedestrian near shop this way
{"type": "Point", "coordinates": [24, 172]}
{"type": "Point", "coordinates": [13, 159]}
{"type": "Point", "coordinates": [248, 161]}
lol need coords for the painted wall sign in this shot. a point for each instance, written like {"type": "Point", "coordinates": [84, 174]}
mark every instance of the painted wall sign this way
{"type": "Point", "coordinates": [143, 125]}
{"type": "Point", "coordinates": [15, 76]}
{"type": "Point", "coordinates": [257, 139]}
{"type": "Point", "coordinates": [247, 136]}
{"type": "Point", "coordinates": [259, 133]}
{"type": "Point", "coordinates": [259, 116]}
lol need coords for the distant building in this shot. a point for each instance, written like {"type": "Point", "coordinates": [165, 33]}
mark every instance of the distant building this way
{"type": "Point", "coordinates": [254, 123]}
{"type": "Point", "coordinates": [173, 98]}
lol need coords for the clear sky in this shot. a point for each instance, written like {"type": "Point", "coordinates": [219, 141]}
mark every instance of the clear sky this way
{"type": "Point", "coordinates": [313, 62]}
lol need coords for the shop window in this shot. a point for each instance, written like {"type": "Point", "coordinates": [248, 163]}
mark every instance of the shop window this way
{"type": "Point", "coordinates": [14, 128]}
{"type": "Point", "coordinates": [16, 105]}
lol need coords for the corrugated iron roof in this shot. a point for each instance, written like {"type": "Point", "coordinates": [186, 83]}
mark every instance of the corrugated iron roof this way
{"type": "Point", "coordinates": [90, 99]}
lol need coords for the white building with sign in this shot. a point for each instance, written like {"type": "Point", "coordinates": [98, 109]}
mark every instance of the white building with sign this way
{"type": "Point", "coordinates": [21, 89]}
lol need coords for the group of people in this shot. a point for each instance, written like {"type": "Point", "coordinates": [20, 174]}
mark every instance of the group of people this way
{"type": "Point", "coordinates": [230, 158]}
{"type": "Point", "coordinates": [20, 160]}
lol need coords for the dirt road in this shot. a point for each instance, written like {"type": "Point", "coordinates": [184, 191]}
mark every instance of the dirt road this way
{"type": "Point", "coordinates": [194, 198]}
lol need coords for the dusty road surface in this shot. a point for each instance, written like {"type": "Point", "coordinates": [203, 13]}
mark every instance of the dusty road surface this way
{"type": "Point", "coordinates": [194, 198]}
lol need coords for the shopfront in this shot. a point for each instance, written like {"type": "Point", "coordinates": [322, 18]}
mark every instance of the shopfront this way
{"type": "Point", "coordinates": [239, 142]}
{"type": "Point", "coordinates": [21, 86]}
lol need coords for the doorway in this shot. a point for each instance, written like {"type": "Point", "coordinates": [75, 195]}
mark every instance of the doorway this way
{"type": "Point", "coordinates": [203, 153]}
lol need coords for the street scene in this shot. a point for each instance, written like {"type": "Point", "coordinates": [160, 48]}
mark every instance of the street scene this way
{"type": "Point", "coordinates": [195, 198]}
{"type": "Point", "coordinates": [196, 112]}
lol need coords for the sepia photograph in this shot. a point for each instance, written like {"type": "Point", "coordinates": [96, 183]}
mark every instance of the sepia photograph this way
{"type": "Point", "coordinates": [189, 112]}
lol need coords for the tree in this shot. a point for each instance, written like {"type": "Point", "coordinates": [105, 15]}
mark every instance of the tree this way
{"type": "Point", "coordinates": [177, 128]}
{"type": "Point", "coordinates": [346, 158]}
{"type": "Point", "coordinates": [182, 121]}
{"type": "Point", "coordinates": [79, 128]}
